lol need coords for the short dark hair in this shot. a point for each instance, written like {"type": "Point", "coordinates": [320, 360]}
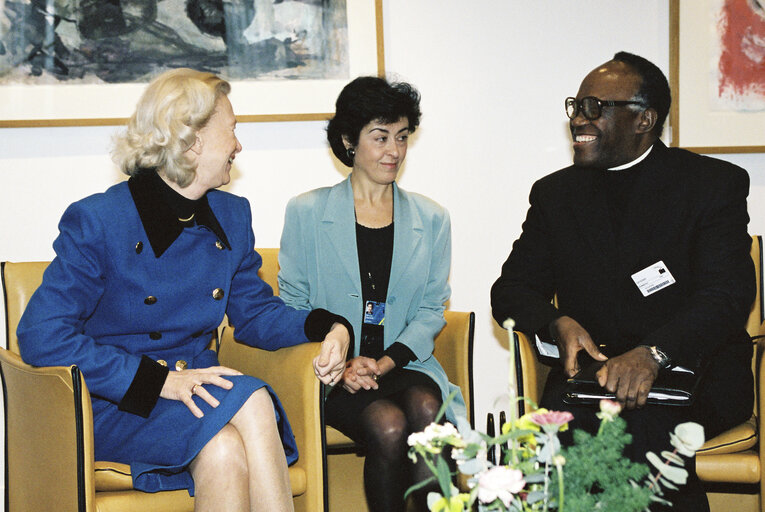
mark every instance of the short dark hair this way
{"type": "Point", "coordinates": [367, 99]}
{"type": "Point", "coordinates": [654, 88]}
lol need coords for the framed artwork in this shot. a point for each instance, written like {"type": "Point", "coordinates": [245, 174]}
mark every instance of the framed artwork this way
{"type": "Point", "coordinates": [67, 63]}
{"type": "Point", "coordinates": [717, 75]}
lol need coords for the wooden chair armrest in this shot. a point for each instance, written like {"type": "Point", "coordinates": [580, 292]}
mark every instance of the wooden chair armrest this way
{"type": "Point", "coordinates": [49, 435]}
{"type": "Point", "coordinates": [532, 374]}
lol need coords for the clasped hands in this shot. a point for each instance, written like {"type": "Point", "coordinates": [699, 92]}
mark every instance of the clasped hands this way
{"type": "Point", "coordinates": [182, 385]}
{"type": "Point", "coordinates": [629, 376]}
{"type": "Point", "coordinates": [363, 372]}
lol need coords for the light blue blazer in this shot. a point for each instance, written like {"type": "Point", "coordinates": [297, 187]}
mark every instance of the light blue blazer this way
{"type": "Point", "coordinates": [320, 269]}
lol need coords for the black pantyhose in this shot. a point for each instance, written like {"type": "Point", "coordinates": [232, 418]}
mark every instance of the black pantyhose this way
{"type": "Point", "coordinates": [387, 424]}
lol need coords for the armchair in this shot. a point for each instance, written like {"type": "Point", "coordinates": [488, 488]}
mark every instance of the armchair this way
{"type": "Point", "coordinates": [49, 426]}
{"type": "Point", "coordinates": [731, 465]}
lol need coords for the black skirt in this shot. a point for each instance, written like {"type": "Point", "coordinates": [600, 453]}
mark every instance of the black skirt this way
{"type": "Point", "coordinates": [342, 409]}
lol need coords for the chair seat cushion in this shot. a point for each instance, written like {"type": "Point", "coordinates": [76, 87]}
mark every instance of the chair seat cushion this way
{"type": "Point", "coordinates": [740, 438]}
{"type": "Point", "coordinates": [113, 476]}
{"type": "Point", "coordinates": [336, 439]}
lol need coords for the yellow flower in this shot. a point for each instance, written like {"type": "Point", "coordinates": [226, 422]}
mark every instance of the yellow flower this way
{"type": "Point", "coordinates": [525, 423]}
{"type": "Point", "coordinates": [455, 504]}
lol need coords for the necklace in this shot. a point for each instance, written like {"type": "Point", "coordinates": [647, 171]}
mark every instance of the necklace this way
{"type": "Point", "coordinates": [187, 219]}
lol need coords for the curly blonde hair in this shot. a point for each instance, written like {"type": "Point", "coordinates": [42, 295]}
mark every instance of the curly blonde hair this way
{"type": "Point", "coordinates": [170, 112]}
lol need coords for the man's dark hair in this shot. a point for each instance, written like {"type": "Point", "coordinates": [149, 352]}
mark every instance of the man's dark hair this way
{"type": "Point", "coordinates": [654, 88]}
{"type": "Point", "coordinates": [367, 99]}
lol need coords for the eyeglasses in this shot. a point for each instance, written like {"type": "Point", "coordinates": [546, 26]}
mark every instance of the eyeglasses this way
{"type": "Point", "coordinates": [592, 107]}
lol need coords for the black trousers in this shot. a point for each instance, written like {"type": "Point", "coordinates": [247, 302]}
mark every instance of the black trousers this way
{"type": "Point", "coordinates": [650, 428]}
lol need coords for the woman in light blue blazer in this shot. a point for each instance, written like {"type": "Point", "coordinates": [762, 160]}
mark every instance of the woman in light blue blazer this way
{"type": "Point", "coordinates": [380, 257]}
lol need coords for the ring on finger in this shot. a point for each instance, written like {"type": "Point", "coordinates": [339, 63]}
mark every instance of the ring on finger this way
{"type": "Point", "coordinates": [374, 377]}
{"type": "Point", "coordinates": [194, 389]}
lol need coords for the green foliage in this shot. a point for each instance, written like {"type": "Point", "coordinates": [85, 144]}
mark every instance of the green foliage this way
{"type": "Point", "coordinates": [598, 477]}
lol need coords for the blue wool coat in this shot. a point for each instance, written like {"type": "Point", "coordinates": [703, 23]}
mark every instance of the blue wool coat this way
{"type": "Point", "coordinates": [320, 269]}
{"type": "Point", "coordinates": [106, 301]}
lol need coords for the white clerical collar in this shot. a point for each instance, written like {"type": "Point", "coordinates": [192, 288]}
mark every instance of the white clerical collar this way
{"type": "Point", "coordinates": [634, 162]}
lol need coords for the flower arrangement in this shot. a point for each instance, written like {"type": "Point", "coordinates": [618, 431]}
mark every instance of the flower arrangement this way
{"type": "Point", "coordinates": [534, 473]}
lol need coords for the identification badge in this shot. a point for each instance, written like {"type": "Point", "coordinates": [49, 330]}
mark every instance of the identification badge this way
{"type": "Point", "coordinates": [374, 312]}
{"type": "Point", "coordinates": [653, 278]}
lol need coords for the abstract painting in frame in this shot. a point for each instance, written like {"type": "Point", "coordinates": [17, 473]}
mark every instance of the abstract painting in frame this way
{"type": "Point", "coordinates": [717, 62]}
{"type": "Point", "coordinates": [86, 62]}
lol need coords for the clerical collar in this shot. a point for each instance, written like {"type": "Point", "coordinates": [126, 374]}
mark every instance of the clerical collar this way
{"type": "Point", "coordinates": [634, 162]}
{"type": "Point", "coordinates": [161, 209]}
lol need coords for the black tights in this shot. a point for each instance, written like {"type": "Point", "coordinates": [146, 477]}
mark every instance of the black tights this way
{"type": "Point", "coordinates": [387, 424]}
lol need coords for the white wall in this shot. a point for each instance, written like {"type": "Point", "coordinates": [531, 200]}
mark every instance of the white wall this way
{"type": "Point", "coordinates": [493, 75]}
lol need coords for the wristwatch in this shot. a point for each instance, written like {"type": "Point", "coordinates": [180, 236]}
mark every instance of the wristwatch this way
{"type": "Point", "coordinates": [661, 358]}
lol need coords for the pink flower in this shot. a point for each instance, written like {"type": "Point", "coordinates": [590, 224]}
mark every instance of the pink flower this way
{"type": "Point", "coordinates": [552, 418]}
{"type": "Point", "coordinates": [500, 482]}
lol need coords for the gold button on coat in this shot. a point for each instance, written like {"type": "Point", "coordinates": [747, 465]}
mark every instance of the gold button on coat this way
{"type": "Point", "coordinates": [180, 364]}
{"type": "Point", "coordinates": [151, 299]}
{"type": "Point", "coordinates": [162, 362]}
{"type": "Point", "coordinates": [217, 293]}
{"type": "Point", "coordinates": [139, 247]}
{"type": "Point", "coordinates": [219, 245]}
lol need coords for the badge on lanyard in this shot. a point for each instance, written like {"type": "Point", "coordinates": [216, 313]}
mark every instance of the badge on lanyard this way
{"type": "Point", "coordinates": [653, 278]}
{"type": "Point", "coordinates": [374, 312]}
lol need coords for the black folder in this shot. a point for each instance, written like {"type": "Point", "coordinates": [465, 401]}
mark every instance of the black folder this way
{"type": "Point", "coordinates": [672, 387]}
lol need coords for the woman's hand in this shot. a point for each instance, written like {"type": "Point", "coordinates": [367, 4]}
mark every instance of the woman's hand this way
{"type": "Point", "coordinates": [329, 364]}
{"type": "Point", "coordinates": [361, 373]}
{"type": "Point", "coordinates": [183, 384]}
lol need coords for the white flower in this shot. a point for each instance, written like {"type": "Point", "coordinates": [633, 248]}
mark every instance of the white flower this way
{"type": "Point", "coordinates": [500, 482]}
{"type": "Point", "coordinates": [435, 437]}
{"type": "Point", "coordinates": [687, 438]}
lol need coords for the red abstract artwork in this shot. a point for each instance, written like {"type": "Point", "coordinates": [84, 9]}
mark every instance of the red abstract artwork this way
{"type": "Point", "coordinates": [741, 67]}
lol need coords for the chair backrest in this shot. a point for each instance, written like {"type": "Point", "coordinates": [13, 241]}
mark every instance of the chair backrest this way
{"type": "Point", "coordinates": [20, 280]}
{"type": "Point", "coordinates": [270, 269]}
{"type": "Point", "coordinates": [756, 315]}
{"type": "Point", "coordinates": [754, 324]}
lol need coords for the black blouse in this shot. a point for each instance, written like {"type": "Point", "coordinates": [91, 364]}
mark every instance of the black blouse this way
{"type": "Point", "coordinates": [375, 251]}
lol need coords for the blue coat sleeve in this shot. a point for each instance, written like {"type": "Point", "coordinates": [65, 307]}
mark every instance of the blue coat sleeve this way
{"type": "Point", "coordinates": [52, 330]}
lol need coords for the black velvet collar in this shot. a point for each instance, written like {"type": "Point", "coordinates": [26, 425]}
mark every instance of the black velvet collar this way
{"type": "Point", "coordinates": [160, 207]}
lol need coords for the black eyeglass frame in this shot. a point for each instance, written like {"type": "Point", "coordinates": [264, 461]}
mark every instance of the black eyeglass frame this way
{"type": "Point", "coordinates": [579, 107]}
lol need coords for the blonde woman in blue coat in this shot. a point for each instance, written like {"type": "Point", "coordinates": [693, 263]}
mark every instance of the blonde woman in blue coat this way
{"type": "Point", "coordinates": [380, 257]}
{"type": "Point", "coordinates": [143, 275]}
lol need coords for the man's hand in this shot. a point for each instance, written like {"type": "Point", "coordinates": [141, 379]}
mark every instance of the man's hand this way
{"type": "Point", "coordinates": [571, 338]}
{"type": "Point", "coordinates": [330, 363]}
{"type": "Point", "coordinates": [630, 376]}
